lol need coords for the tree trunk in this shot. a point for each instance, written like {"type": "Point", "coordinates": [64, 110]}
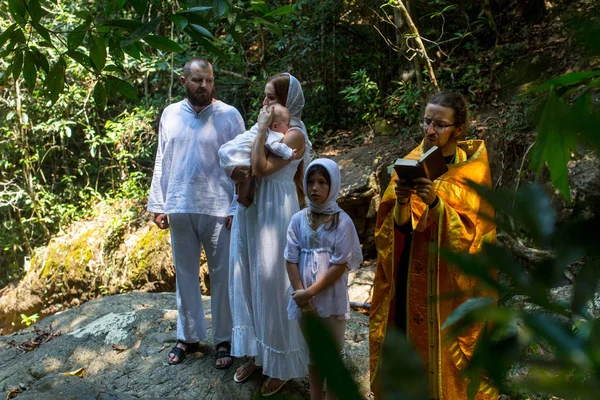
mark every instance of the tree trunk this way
{"type": "Point", "coordinates": [405, 15]}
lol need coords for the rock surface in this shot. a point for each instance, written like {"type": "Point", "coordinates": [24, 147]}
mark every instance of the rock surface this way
{"type": "Point", "coordinates": [122, 342]}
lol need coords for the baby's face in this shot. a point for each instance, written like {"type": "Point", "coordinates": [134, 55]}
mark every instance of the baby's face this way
{"type": "Point", "coordinates": [281, 127]}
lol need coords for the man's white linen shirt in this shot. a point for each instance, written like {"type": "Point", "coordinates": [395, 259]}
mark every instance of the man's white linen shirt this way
{"type": "Point", "coordinates": [187, 176]}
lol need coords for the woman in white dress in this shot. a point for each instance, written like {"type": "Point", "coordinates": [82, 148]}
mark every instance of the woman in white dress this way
{"type": "Point", "coordinates": [259, 288]}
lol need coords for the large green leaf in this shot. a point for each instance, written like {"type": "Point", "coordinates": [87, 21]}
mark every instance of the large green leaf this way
{"type": "Point", "coordinates": [29, 70]}
{"type": "Point", "coordinates": [202, 30]}
{"type": "Point", "coordinates": [285, 10]}
{"type": "Point", "coordinates": [201, 40]}
{"type": "Point", "coordinates": [179, 20]}
{"type": "Point", "coordinates": [327, 359]}
{"type": "Point", "coordinates": [121, 86]}
{"type": "Point", "coordinates": [100, 95]}
{"type": "Point", "coordinates": [115, 50]}
{"type": "Point", "coordinates": [18, 10]}
{"type": "Point", "coordinates": [162, 43]}
{"type": "Point", "coordinates": [97, 52]}
{"type": "Point", "coordinates": [402, 373]}
{"type": "Point", "coordinates": [76, 36]}
{"type": "Point", "coordinates": [81, 58]}
{"type": "Point", "coordinates": [7, 34]}
{"type": "Point", "coordinates": [40, 60]}
{"type": "Point", "coordinates": [195, 10]}
{"type": "Point", "coordinates": [271, 26]}
{"type": "Point", "coordinates": [586, 116]}
{"type": "Point", "coordinates": [557, 137]}
{"type": "Point", "coordinates": [469, 306]}
{"type": "Point", "coordinates": [139, 6]}
{"type": "Point", "coordinates": [55, 80]}
{"type": "Point", "coordinates": [141, 32]}
{"type": "Point", "coordinates": [17, 64]}
{"type": "Point", "coordinates": [43, 32]}
{"type": "Point", "coordinates": [260, 7]}
{"type": "Point", "coordinates": [569, 79]}
{"type": "Point", "coordinates": [219, 8]}
{"type": "Point", "coordinates": [35, 10]}
{"type": "Point", "coordinates": [129, 25]}
{"type": "Point", "coordinates": [132, 50]}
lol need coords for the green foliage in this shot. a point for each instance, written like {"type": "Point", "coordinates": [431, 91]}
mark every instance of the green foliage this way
{"type": "Point", "coordinates": [568, 113]}
{"type": "Point", "coordinates": [405, 103]}
{"type": "Point", "coordinates": [363, 96]}
{"type": "Point", "coordinates": [28, 320]}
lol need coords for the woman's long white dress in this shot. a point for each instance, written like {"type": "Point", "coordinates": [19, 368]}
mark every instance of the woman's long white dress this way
{"type": "Point", "coordinates": [259, 287]}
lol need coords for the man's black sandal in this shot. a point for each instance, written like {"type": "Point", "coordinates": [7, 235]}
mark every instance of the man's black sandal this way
{"type": "Point", "coordinates": [223, 354]}
{"type": "Point", "coordinates": [180, 353]}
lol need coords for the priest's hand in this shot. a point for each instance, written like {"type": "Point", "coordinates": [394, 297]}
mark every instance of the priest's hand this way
{"type": "Point", "coordinates": [425, 190]}
{"type": "Point", "coordinates": [403, 191]}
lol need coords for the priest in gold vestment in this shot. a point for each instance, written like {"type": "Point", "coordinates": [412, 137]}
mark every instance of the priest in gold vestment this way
{"type": "Point", "coordinates": [415, 288]}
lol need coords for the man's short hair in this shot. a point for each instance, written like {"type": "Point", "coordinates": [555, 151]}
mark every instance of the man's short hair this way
{"type": "Point", "coordinates": [201, 62]}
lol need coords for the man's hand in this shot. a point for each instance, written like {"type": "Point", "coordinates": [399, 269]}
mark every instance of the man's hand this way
{"type": "Point", "coordinates": [425, 190]}
{"type": "Point", "coordinates": [403, 190]}
{"type": "Point", "coordinates": [161, 220]}
{"type": "Point", "coordinates": [241, 174]}
{"type": "Point", "coordinates": [228, 222]}
{"type": "Point", "coordinates": [301, 297]}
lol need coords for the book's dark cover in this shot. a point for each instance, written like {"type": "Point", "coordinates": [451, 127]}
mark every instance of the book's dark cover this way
{"type": "Point", "coordinates": [431, 166]}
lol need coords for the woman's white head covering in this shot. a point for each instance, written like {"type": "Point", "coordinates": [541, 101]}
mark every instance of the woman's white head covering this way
{"type": "Point", "coordinates": [295, 104]}
{"type": "Point", "coordinates": [330, 205]}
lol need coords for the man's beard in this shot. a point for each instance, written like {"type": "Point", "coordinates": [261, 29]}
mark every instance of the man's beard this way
{"type": "Point", "coordinates": [427, 144]}
{"type": "Point", "coordinates": [200, 99]}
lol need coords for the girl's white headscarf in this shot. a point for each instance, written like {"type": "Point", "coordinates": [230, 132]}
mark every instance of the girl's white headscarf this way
{"type": "Point", "coordinates": [330, 205]}
{"type": "Point", "coordinates": [295, 104]}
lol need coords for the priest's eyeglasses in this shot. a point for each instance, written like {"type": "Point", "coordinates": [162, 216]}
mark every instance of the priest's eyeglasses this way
{"type": "Point", "coordinates": [439, 127]}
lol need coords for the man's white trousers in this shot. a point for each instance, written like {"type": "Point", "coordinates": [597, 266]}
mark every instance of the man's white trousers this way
{"type": "Point", "coordinates": [189, 233]}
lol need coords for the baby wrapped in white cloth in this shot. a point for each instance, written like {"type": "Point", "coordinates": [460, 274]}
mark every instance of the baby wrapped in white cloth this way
{"type": "Point", "coordinates": [237, 152]}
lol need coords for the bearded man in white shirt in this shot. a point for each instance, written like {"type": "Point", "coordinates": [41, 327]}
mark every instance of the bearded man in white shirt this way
{"type": "Point", "coordinates": [191, 194]}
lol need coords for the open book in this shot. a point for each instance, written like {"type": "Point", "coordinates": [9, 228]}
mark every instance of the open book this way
{"type": "Point", "coordinates": [431, 166]}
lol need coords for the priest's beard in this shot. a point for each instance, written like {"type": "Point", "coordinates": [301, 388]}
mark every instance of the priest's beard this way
{"type": "Point", "coordinates": [200, 98]}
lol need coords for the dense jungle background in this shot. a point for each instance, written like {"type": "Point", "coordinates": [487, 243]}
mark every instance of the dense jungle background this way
{"type": "Point", "coordinates": [83, 84]}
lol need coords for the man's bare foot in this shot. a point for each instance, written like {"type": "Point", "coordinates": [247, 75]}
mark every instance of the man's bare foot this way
{"type": "Point", "coordinates": [223, 357]}
{"type": "Point", "coordinates": [177, 354]}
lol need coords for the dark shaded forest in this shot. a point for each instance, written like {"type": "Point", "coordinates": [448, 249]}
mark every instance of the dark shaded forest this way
{"type": "Point", "coordinates": [83, 85]}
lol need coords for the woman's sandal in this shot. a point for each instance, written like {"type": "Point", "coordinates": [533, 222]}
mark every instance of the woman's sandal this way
{"type": "Point", "coordinates": [223, 354]}
{"type": "Point", "coordinates": [180, 353]}
{"type": "Point", "coordinates": [277, 389]}
{"type": "Point", "coordinates": [244, 367]}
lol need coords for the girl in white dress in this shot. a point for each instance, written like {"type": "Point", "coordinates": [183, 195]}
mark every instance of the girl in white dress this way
{"type": "Point", "coordinates": [259, 288]}
{"type": "Point", "coordinates": [322, 246]}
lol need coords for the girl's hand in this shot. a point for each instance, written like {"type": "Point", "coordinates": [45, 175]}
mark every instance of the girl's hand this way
{"type": "Point", "coordinates": [308, 308]}
{"type": "Point", "coordinates": [425, 190]}
{"type": "Point", "coordinates": [265, 117]}
{"type": "Point", "coordinates": [403, 191]}
{"type": "Point", "coordinates": [301, 297]}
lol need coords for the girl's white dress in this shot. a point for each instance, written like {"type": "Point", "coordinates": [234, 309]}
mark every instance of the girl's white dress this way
{"type": "Point", "coordinates": [259, 288]}
{"type": "Point", "coordinates": [315, 252]}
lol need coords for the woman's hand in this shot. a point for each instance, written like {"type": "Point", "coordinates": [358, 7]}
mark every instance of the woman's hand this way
{"type": "Point", "coordinates": [425, 190]}
{"type": "Point", "coordinates": [301, 297]}
{"type": "Point", "coordinates": [265, 117]}
{"type": "Point", "coordinates": [403, 191]}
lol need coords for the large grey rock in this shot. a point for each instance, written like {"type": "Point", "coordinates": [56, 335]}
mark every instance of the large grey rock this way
{"type": "Point", "coordinates": [122, 342]}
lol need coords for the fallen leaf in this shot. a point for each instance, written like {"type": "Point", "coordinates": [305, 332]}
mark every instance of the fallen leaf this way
{"type": "Point", "coordinates": [78, 372]}
{"type": "Point", "coordinates": [15, 392]}
{"type": "Point", "coordinates": [164, 347]}
{"type": "Point", "coordinates": [118, 349]}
